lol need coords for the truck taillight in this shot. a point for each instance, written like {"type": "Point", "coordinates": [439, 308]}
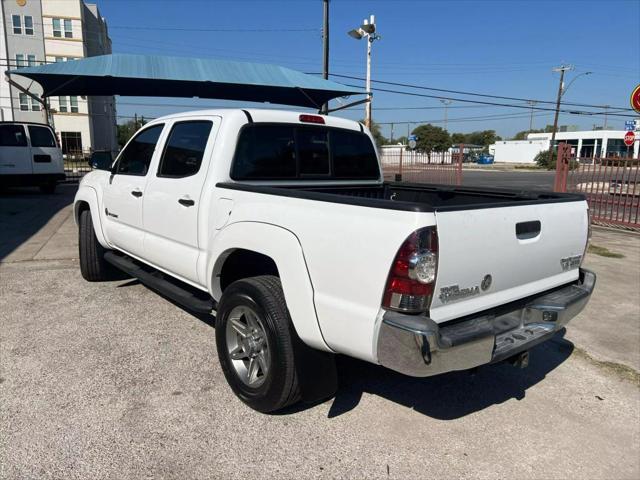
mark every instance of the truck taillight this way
{"type": "Point", "coordinates": [413, 273]}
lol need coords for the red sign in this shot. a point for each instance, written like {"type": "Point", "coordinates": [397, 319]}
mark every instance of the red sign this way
{"type": "Point", "coordinates": [629, 138]}
{"type": "Point", "coordinates": [635, 99]}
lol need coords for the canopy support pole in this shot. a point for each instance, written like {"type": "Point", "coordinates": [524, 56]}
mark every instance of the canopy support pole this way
{"type": "Point", "coordinates": [42, 101]}
{"type": "Point", "coordinates": [352, 104]}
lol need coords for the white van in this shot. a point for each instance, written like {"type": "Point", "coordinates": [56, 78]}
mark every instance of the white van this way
{"type": "Point", "coordinates": [30, 156]}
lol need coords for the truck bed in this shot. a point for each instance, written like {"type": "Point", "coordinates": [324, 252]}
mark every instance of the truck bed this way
{"type": "Point", "coordinates": [412, 197]}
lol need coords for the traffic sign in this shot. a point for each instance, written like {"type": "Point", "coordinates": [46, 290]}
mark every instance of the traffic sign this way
{"type": "Point", "coordinates": [413, 137]}
{"type": "Point", "coordinates": [630, 125]}
{"type": "Point", "coordinates": [412, 144]}
{"type": "Point", "coordinates": [629, 138]}
{"type": "Point", "coordinates": [635, 99]}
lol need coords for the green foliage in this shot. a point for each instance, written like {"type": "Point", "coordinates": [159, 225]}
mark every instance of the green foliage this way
{"type": "Point", "coordinates": [523, 134]}
{"type": "Point", "coordinates": [403, 140]}
{"type": "Point", "coordinates": [483, 138]}
{"type": "Point", "coordinates": [458, 138]}
{"type": "Point", "coordinates": [543, 159]}
{"type": "Point", "coordinates": [126, 130]}
{"type": "Point", "coordinates": [377, 133]}
{"type": "Point", "coordinates": [432, 138]}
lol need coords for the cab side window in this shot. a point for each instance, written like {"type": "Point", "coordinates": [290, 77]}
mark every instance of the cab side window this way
{"type": "Point", "coordinates": [136, 157]}
{"type": "Point", "coordinates": [184, 149]}
{"type": "Point", "coordinates": [12, 136]}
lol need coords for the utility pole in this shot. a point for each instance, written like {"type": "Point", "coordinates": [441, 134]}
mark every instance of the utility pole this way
{"type": "Point", "coordinates": [532, 103]}
{"type": "Point", "coordinates": [446, 103]}
{"type": "Point", "coordinates": [561, 69]}
{"type": "Point", "coordinates": [325, 48]}
{"type": "Point", "coordinates": [391, 139]}
{"type": "Point", "coordinates": [606, 112]}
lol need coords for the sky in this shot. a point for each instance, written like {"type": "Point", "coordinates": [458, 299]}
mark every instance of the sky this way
{"type": "Point", "coordinates": [505, 48]}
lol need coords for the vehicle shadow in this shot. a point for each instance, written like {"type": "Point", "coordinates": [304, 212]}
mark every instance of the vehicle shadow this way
{"type": "Point", "coordinates": [24, 211]}
{"type": "Point", "coordinates": [444, 397]}
{"type": "Point", "coordinates": [452, 395]}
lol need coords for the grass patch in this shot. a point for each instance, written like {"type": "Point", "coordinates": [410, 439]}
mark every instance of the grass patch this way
{"type": "Point", "coordinates": [528, 167]}
{"type": "Point", "coordinates": [604, 252]}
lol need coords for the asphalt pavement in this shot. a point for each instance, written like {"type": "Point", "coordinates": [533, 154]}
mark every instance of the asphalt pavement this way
{"type": "Point", "coordinates": [110, 380]}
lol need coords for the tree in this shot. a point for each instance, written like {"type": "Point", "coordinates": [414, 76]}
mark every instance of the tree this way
{"type": "Point", "coordinates": [431, 138]}
{"type": "Point", "coordinates": [377, 133]}
{"type": "Point", "coordinates": [523, 134]}
{"type": "Point", "coordinates": [458, 138]}
{"type": "Point", "coordinates": [403, 140]}
{"type": "Point", "coordinates": [543, 159]}
{"type": "Point", "coordinates": [483, 138]}
{"type": "Point", "coordinates": [127, 129]}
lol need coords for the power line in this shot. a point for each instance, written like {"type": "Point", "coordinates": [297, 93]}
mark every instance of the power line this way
{"type": "Point", "coordinates": [460, 92]}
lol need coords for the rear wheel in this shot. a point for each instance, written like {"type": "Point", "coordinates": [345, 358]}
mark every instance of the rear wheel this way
{"type": "Point", "coordinates": [254, 338]}
{"type": "Point", "coordinates": [93, 266]}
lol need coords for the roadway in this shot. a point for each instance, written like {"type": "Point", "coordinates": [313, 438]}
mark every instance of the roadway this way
{"type": "Point", "coordinates": [509, 179]}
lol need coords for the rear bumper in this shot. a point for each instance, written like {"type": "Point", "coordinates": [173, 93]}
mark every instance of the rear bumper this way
{"type": "Point", "coordinates": [418, 346]}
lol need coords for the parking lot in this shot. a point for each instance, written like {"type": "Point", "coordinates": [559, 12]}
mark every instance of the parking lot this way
{"type": "Point", "coordinates": [110, 380]}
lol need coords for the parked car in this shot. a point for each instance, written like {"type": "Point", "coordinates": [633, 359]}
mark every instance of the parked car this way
{"type": "Point", "coordinates": [30, 156]}
{"type": "Point", "coordinates": [281, 223]}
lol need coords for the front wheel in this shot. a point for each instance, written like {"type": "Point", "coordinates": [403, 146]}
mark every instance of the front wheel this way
{"type": "Point", "coordinates": [93, 266]}
{"type": "Point", "coordinates": [254, 338]}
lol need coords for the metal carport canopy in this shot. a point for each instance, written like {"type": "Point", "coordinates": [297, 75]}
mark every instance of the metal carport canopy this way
{"type": "Point", "coordinates": [160, 76]}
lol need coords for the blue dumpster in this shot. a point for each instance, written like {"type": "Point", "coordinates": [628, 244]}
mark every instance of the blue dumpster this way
{"type": "Point", "coordinates": [485, 159]}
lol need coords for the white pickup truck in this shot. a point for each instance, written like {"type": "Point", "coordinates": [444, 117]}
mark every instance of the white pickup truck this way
{"type": "Point", "coordinates": [282, 224]}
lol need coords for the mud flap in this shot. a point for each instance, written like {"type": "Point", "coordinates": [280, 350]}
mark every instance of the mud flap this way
{"type": "Point", "coordinates": [317, 373]}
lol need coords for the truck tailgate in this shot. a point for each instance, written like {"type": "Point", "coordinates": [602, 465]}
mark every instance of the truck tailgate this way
{"type": "Point", "coordinates": [492, 256]}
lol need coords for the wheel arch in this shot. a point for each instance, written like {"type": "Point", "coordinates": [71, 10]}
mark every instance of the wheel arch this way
{"type": "Point", "coordinates": [245, 249]}
{"type": "Point", "coordinates": [87, 199]}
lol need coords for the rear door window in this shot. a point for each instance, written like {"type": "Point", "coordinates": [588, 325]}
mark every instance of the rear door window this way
{"type": "Point", "coordinates": [12, 136]}
{"type": "Point", "coordinates": [41, 137]}
{"type": "Point", "coordinates": [184, 149]}
{"type": "Point", "coordinates": [136, 156]}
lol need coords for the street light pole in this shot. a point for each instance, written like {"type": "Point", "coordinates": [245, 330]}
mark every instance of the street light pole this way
{"type": "Point", "coordinates": [561, 91]}
{"type": "Point", "coordinates": [532, 103]}
{"type": "Point", "coordinates": [367, 106]}
{"type": "Point", "coordinates": [560, 69]}
{"type": "Point", "coordinates": [325, 48]}
{"type": "Point", "coordinates": [367, 30]}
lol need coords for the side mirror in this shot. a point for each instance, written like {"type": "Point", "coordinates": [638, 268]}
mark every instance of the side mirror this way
{"type": "Point", "coordinates": [101, 160]}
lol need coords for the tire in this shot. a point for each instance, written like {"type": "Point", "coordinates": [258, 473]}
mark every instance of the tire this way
{"type": "Point", "coordinates": [276, 386]}
{"type": "Point", "coordinates": [48, 188]}
{"type": "Point", "coordinates": [93, 266]}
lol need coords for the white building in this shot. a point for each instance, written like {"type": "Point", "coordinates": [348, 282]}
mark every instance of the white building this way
{"type": "Point", "coordinates": [36, 31]}
{"type": "Point", "coordinates": [585, 144]}
{"type": "Point", "coordinates": [73, 30]}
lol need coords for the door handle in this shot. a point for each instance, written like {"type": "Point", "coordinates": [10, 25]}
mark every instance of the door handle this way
{"type": "Point", "coordinates": [136, 193]}
{"type": "Point", "coordinates": [187, 202]}
{"type": "Point", "coordinates": [526, 230]}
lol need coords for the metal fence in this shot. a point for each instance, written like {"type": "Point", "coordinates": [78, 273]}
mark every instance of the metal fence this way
{"type": "Point", "coordinates": [417, 167]}
{"type": "Point", "coordinates": [76, 166]}
{"type": "Point", "coordinates": [611, 185]}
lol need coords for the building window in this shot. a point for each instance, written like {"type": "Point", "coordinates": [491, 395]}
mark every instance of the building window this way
{"type": "Point", "coordinates": [57, 29]}
{"type": "Point", "coordinates": [62, 101]}
{"type": "Point", "coordinates": [74, 104]}
{"type": "Point", "coordinates": [35, 105]}
{"type": "Point", "coordinates": [28, 25]}
{"type": "Point", "coordinates": [59, 59]}
{"type": "Point", "coordinates": [31, 60]}
{"type": "Point", "coordinates": [24, 102]}
{"type": "Point", "coordinates": [17, 24]}
{"type": "Point", "coordinates": [71, 143]}
{"type": "Point", "coordinates": [68, 32]}
{"type": "Point", "coordinates": [19, 60]}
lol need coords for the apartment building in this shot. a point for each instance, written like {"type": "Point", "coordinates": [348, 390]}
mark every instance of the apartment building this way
{"type": "Point", "coordinates": [37, 31]}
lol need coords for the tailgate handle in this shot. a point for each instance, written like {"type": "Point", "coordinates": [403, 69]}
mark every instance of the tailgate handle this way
{"type": "Point", "coordinates": [526, 230]}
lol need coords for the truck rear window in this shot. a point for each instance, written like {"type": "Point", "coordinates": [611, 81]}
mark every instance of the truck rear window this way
{"type": "Point", "coordinates": [283, 152]}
